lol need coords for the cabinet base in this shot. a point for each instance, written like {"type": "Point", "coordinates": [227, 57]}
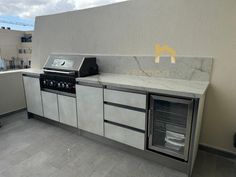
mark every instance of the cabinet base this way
{"type": "Point", "coordinates": [29, 115]}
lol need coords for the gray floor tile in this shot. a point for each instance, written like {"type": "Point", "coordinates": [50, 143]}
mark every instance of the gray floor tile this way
{"type": "Point", "coordinates": [166, 172]}
{"type": "Point", "coordinates": [32, 148]}
{"type": "Point", "coordinates": [32, 167]}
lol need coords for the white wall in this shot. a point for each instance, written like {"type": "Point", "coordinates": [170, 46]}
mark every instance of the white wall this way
{"type": "Point", "coordinates": [192, 27]}
{"type": "Point", "coordinates": [10, 41]}
{"type": "Point", "coordinates": [11, 87]}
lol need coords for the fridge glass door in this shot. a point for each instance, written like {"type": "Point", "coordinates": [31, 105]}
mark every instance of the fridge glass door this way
{"type": "Point", "coordinates": [170, 123]}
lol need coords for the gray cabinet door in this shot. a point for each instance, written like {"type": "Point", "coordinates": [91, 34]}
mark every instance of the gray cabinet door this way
{"type": "Point", "coordinates": [67, 110]}
{"type": "Point", "coordinates": [90, 109]}
{"type": "Point", "coordinates": [50, 106]}
{"type": "Point", "coordinates": [33, 95]}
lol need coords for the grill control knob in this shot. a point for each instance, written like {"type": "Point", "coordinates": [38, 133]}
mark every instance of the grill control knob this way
{"type": "Point", "coordinates": [44, 82]}
{"type": "Point", "coordinates": [62, 85]}
{"type": "Point", "coordinates": [59, 84]}
{"type": "Point", "coordinates": [51, 83]}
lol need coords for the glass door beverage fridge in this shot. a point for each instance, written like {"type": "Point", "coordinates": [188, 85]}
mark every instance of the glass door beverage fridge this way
{"type": "Point", "coordinates": [169, 125]}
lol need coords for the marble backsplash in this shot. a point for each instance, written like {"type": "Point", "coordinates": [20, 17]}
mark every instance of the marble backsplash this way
{"type": "Point", "coordinates": [187, 68]}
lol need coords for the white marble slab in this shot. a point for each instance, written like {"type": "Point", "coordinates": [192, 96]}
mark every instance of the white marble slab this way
{"type": "Point", "coordinates": [187, 68]}
{"type": "Point", "coordinates": [187, 88]}
{"type": "Point", "coordinates": [32, 72]}
{"type": "Point", "coordinates": [15, 71]}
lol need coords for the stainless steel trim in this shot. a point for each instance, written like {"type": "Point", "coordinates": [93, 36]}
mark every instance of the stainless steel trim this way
{"type": "Point", "coordinates": [146, 123]}
{"type": "Point", "coordinates": [103, 113]}
{"type": "Point", "coordinates": [59, 72]}
{"type": "Point", "coordinates": [59, 92]}
{"type": "Point", "coordinates": [109, 87]}
{"type": "Point", "coordinates": [189, 102]}
{"type": "Point", "coordinates": [124, 126]}
{"type": "Point", "coordinates": [192, 137]}
{"type": "Point", "coordinates": [125, 106]}
{"type": "Point", "coordinates": [188, 129]}
{"type": "Point", "coordinates": [89, 84]}
{"type": "Point", "coordinates": [149, 123]}
{"type": "Point", "coordinates": [168, 152]}
{"type": "Point", "coordinates": [172, 99]}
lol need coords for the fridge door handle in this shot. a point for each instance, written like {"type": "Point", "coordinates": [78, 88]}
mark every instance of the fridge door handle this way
{"type": "Point", "coordinates": [149, 123]}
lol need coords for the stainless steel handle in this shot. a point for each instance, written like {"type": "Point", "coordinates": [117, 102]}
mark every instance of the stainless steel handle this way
{"type": "Point", "coordinates": [60, 72]}
{"type": "Point", "coordinates": [149, 122]}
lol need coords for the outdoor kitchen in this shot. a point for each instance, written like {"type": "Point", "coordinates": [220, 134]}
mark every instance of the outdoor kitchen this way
{"type": "Point", "coordinates": [116, 88]}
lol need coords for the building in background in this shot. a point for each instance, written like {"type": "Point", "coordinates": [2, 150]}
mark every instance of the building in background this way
{"type": "Point", "coordinates": [15, 49]}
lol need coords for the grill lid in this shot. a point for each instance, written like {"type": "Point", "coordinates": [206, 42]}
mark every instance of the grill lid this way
{"type": "Point", "coordinates": [64, 62]}
{"type": "Point", "coordinates": [71, 65]}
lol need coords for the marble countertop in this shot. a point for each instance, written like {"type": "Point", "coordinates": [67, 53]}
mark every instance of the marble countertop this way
{"type": "Point", "coordinates": [177, 87]}
{"type": "Point", "coordinates": [32, 72]}
{"type": "Point", "coordinates": [12, 71]}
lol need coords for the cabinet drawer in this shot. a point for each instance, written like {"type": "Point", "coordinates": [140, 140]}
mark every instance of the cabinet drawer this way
{"type": "Point", "coordinates": [125, 116]}
{"type": "Point", "coordinates": [124, 135]}
{"type": "Point", "coordinates": [125, 98]}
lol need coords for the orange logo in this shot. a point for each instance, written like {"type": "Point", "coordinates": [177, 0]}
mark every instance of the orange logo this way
{"type": "Point", "coordinates": [165, 49]}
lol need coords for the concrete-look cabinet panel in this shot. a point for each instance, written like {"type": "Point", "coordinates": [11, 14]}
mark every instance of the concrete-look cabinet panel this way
{"type": "Point", "coordinates": [67, 110]}
{"type": "Point", "coordinates": [33, 95]}
{"type": "Point", "coordinates": [50, 106]}
{"type": "Point", "coordinates": [90, 109]}
{"type": "Point", "coordinates": [124, 135]}
{"type": "Point", "coordinates": [125, 98]}
{"type": "Point", "coordinates": [135, 119]}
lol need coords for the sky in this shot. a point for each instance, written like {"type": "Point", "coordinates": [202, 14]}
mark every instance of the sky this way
{"type": "Point", "coordinates": [20, 14]}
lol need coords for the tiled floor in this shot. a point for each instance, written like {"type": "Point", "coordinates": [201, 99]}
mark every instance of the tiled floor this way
{"type": "Point", "coordinates": [32, 148]}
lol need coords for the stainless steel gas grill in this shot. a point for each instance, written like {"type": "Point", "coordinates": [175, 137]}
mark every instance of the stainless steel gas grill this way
{"type": "Point", "coordinates": [60, 72]}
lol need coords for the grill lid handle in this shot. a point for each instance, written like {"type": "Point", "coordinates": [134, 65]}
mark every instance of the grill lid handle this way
{"type": "Point", "coordinates": [59, 72]}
